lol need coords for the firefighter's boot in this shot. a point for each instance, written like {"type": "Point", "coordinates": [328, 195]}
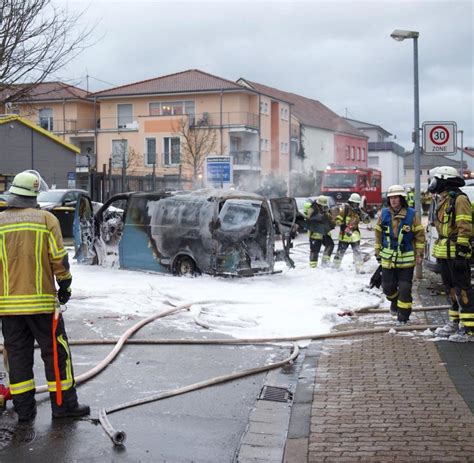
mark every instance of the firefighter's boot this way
{"type": "Point", "coordinates": [70, 408]}
{"type": "Point", "coordinates": [394, 309]}
{"type": "Point", "coordinates": [452, 327]}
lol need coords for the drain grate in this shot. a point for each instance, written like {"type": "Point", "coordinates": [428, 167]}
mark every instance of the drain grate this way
{"type": "Point", "coordinates": [15, 435]}
{"type": "Point", "coordinates": [276, 394]}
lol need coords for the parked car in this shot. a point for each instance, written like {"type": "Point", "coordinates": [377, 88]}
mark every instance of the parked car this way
{"type": "Point", "coordinates": [3, 201]}
{"type": "Point", "coordinates": [431, 233]}
{"type": "Point", "coordinates": [185, 233]}
{"type": "Point", "coordinates": [61, 203]}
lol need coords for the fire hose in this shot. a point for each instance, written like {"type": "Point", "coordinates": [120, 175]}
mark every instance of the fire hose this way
{"type": "Point", "coordinates": [118, 437]}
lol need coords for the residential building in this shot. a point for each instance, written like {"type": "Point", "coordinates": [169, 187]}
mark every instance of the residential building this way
{"type": "Point", "coordinates": [325, 137]}
{"type": "Point", "coordinates": [25, 145]}
{"type": "Point", "coordinates": [427, 162]}
{"type": "Point", "coordinates": [149, 127]}
{"type": "Point", "coordinates": [468, 158]}
{"type": "Point", "coordinates": [383, 154]}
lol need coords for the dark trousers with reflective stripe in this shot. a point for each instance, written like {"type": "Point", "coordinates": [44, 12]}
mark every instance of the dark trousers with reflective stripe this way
{"type": "Point", "coordinates": [396, 285]}
{"type": "Point", "coordinates": [19, 334]}
{"type": "Point", "coordinates": [315, 247]}
{"type": "Point", "coordinates": [456, 276]}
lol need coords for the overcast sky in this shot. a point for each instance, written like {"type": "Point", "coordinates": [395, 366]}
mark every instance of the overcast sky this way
{"type": "Point", "coordinates": [339, 53]}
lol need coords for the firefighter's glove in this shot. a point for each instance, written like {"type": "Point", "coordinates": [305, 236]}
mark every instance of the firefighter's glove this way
{"type": "Point", "coordinates": [463, 251]}
{"type": "Point", "coordinates": [64, 291]}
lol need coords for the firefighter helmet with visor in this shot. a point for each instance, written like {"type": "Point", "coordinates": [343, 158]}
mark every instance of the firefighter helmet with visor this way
{"type": "Point", "coordinates": [396, 190]}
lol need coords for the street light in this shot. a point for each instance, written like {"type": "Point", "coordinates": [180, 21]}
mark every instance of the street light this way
{"type": "Point", "coordinates": [399, 36]}
{"type": "Point", "coordinates": [462, 152]}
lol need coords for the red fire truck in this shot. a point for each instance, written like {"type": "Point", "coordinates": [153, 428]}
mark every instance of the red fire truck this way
{"type": "Point", "coordinates": [341, 182]}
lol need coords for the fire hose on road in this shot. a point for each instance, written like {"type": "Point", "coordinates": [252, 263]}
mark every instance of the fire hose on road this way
{"type": "Point", "coordinates": [118, 437]}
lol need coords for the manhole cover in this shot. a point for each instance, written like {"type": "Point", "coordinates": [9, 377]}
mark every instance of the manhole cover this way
{"type": "Point", "coordinates": [276, 394]}
{"type": "Point", "coordinates": [15, 435]}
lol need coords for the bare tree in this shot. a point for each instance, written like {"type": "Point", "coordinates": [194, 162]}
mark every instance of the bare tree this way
{"type": "Point", "coordinates": [37, 38]}
{"type": "Point", "coordinates": [196, 144]}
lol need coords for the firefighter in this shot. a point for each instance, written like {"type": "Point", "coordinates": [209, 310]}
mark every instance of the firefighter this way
{"type": "Point", "coordinates": [425, 201]}
{"type": "Point", "coordinates": [452, 248]}
{"type": "Point", "coordinates": [410, 197]}
{"type": "Point", "coordinates": [348, 220]}
{"type": "Point", "coordinates": [399, 245]}
{"type": "Point", "coordinates": [32, 255]}
{"type": "Point", "coordinates": [320, 223]}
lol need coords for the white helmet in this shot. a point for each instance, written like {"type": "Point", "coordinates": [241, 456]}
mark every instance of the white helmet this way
{"type": "Point", "coordinates": [396, 190]}
{"type": "Point", "coordinates": [446, 172]}
{"type": "Point", "coordinates": [355, 198]}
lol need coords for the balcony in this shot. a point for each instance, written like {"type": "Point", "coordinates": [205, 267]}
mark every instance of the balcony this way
{"type": "Point", "coordinates": [69, 126]}
{"type": "Point", "coordinates": [246, 160]}
{"type": "Point", "coordinates": [228, 119]}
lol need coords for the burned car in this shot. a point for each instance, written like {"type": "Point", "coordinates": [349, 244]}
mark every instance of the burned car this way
{"type": "Point", "coordinates": [186, 233]}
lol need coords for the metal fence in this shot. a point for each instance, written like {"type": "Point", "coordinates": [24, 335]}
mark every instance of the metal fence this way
{"type": "Point", "coordinates": [104, 185]}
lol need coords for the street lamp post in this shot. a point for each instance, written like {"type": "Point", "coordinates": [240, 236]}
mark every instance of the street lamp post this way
{"type": "Point", "coordinates": [462, 152]}
{"type": "Point", "coordinates": [401, 35]}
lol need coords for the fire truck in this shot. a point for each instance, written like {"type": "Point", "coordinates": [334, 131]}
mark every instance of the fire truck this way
{"type": "Point", "coordinates": [341, 182]}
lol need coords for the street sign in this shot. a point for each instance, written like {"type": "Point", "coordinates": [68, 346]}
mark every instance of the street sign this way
{"type": "Point", "coordinates": [439, 137]}
{"type": "Point", "coordinates": [219, 170]}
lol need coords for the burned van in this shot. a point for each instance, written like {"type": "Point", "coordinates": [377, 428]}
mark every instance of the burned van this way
{"type": "Point", "coordinates": [186, 233]}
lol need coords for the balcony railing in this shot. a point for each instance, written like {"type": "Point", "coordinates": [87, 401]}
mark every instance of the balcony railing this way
{"type": "Point", "coordinates": [246, 158]}
{"type": "Point", "coordinates": [227, 119]}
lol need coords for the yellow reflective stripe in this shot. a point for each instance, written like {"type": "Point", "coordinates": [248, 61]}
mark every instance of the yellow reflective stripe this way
{"type": "Point", "coordinates": [6, 282]}
{"type": "Point", "coordinates": [418, 227]}
{"type": "Point", "coordinates": [392, 296]}
{"type": "Point", "coordinates": [404, 305]}
{"type": "Point", "coordinates": [27, 297]}
{"type": "Point", "coordinates": [453, 313]}
{"type": "Point", "coordinates": [378, 228]}
{"type": "Point", "coordinates": [419, 246]}
{"type": "Point", "coordinates": [69, 377]}
{"type": "Point", "coordinates": [39, 262]}
{"type": "Point", "coordinates": [378, 246]}
{"type": "Point", "coordinates": [28, 226]}
{"type": "Point", "coordinates": [65, 385]}
{"type": "Point", "coordinates": [66, 276]}
{"type": "Point", "coordinates": [27, 310]}
{"type": "Point", "coordinates": [55, 251]}
{"type": "Point", "coordinates": [24, 386]}
{"type": "Point", "coordinates": [463, 240]}
{"type": "Point", "coordinates": [460, 217]}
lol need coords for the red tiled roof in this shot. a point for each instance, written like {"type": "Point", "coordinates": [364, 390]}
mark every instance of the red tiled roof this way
{"type": "Point", "coordinates": [469, 152]}
{"type": "Point", "coordinates": [192, 80]}
{"type": "Point", "coordinates": [47, 91]}
{"type": "Point", "coordinates": [309, 112]}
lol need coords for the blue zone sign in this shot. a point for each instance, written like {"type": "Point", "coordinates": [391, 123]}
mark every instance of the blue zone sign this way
{"type": "Point", "coordinates": [219, 169]}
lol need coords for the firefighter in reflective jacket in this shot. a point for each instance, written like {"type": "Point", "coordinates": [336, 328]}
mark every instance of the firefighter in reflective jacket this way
{"type": "Point", "coordinates": [410, 197]}
{"type": "Point", "coordinates": [320, 223]}
{"type": "Point", "coordinates": [399, 245]}
{"type": "Point", "coordinates": [453, 221]}
{"type": "Point", "coordinates": [348, 220]}
{"type": "Point", "coordinates": [32, 254]}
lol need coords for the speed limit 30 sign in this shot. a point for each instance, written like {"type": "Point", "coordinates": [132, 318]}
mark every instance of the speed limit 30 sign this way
{"type": "Point", "coordinates": [439, 137]}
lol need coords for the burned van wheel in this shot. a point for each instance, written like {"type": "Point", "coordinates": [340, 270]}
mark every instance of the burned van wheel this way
{"type": "Point", "coordinates": [185, 266]}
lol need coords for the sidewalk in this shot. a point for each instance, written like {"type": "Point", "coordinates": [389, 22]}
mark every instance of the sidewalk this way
{"type": "Point", "coordinates": [385, 397]}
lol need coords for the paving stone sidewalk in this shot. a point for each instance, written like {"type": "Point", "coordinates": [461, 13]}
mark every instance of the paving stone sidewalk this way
{"type": "Point", "coordinates": [388, 398]}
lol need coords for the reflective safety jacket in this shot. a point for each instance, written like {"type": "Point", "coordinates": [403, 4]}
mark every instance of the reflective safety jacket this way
{"type": "Point", "coordinates": [411, 199]}
{"type": "Point", "coordinates": [319, 222]}
{"type": "Point", "coordinates": [351, 218]}
{"type": "Point", "coordinates": [31, 254]}
{"type": "Point", "coordinates": [453, 221]}
{"type": "Point", "coordinates": [399, 238]}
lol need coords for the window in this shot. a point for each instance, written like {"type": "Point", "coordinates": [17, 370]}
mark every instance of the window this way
{"type": "Point", "coordinates": [124, 115]}
{"type": "Point", "coordinates": [46, 119]}
{"type": "Point", "coordinates": [263, 144]}
{"type": "Point", "coordinates": [348, 152]}
{"type": "Point", "coordinates": [373, 161]}
{"type": "Point", "coordinates": [171, 152]}
{"type": "Point", "coordinates": [353, 153]}
{"type": "Point", "coordinates": [234, 144]}
{"type": "Point", "coordinates": [119, 153]}
{"type": "Point", "coordinates": [263, 107]}
{"type": "Point", "coordinates": [150, 151]}
{"type": "Point", "coordinates": [172, 108]}
{"type": "Point", "coordinates": [363, 154]}
{"type": "Point", "coordinates": [284, 114]}
{"type": "Point", "coordinates": [358, 154]}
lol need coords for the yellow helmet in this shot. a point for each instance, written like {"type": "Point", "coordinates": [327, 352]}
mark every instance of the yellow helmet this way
{"type": "Point", "coordinates": [25, 184]}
